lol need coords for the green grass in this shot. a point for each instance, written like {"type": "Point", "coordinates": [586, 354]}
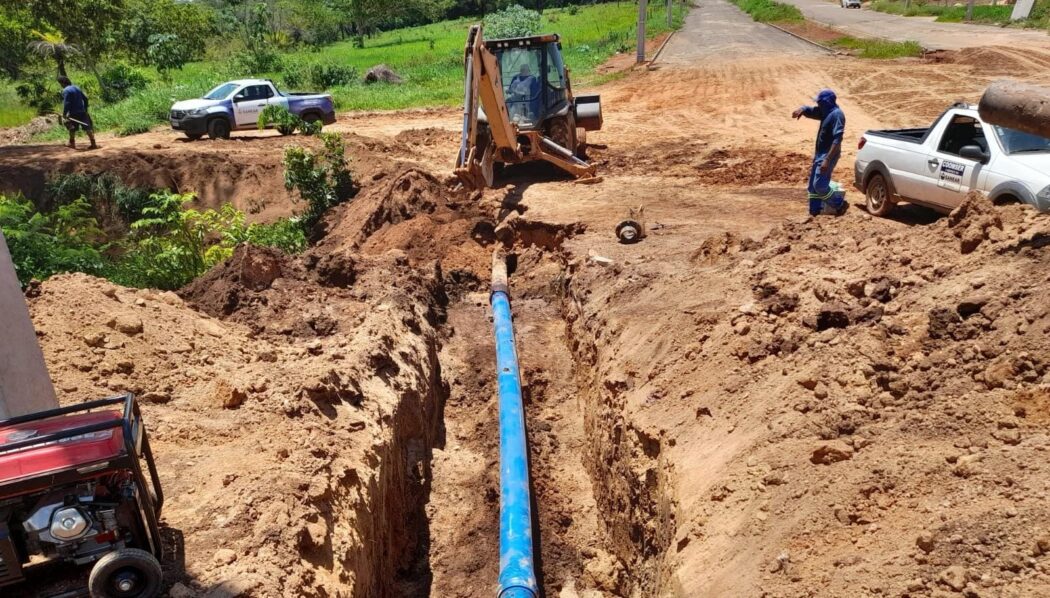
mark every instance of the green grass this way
{"type": "Point", "coordinates": [429, 58]}
{"type": "Point", "coordinates": [948, 13]}
{"type": "Point", "coordinates": [769, 11]}
{"type": "Point", "coordinates": [13, 113]}
{"type": "Point", "coordinates": [878, 48]}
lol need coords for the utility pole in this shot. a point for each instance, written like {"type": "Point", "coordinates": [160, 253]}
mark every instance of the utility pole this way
{"type": "Point", "coordinates": [25, 386]}
{"type": "Point", "coordinates": [969, 10]}
{"type": "Point", "coordinates": [642, 9]}
{"type": "Point", "coordinates": [670, 13]}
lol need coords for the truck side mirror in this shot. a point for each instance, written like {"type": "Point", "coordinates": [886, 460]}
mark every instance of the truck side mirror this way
{"type": "Point", "coordinates": [974, 152]}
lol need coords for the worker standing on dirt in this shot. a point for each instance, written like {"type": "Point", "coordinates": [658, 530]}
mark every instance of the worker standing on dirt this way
{"type": "Point", "coordinates": [75, 112]}
{"type": "Point", "coordinates": [822, 197]}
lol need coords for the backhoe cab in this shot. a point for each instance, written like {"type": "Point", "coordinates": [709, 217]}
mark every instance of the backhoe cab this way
{"type": "Point", "coordinates": [519, 107]}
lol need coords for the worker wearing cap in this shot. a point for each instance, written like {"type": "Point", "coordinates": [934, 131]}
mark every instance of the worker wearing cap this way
{"type": "Point", "coordinates": [75, 112]}
{"type": "Point", "coordinates": [822, 198]}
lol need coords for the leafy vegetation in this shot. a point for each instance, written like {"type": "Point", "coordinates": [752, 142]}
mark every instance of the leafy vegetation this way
{"type": "Point", "coordinates": [285, 122]}
{"type": "Point", "coordinates": [513, 21]}
{"type": "Point", "coordinates": [323, 181]}
{"type": "Point", "coordinates": [878, 48]}
{"type": "Point", "coordinates": [428, 57]}
{"type": "Point", "coordinates": [148, 239]}
{"type": "Point", "coordinates": [770, 11]}
{"type": "Point", "coordinates": [945, 12]}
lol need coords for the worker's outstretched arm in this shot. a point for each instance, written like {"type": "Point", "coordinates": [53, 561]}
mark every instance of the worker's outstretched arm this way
{"type": "Point", "coordinates": [807, 111]}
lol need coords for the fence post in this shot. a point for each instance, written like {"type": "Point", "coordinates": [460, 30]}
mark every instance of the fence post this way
{"type": "Point", "coordinates": [643, 7]}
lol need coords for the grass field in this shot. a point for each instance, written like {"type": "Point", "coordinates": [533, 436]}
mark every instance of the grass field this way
{"type": "Point", "coordinates": [950, 13]}
{"type": "Point", "coordinates": [769, 11]}
{"type": "Point", "coordinates": [877, 48]}
{"type": "Point", "coordinates": [429, 58]}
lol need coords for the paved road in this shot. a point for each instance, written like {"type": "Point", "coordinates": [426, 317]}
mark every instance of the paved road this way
{"type": "Point", "coordinates": [718, 29]}
{"type": "Point", "coordinates": [932, 35]}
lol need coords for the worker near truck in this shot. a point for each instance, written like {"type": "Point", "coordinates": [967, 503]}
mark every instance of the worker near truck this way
{"type": "Point", "coordinates": [75, 112]}
{"type": "Point", "coordinates": [822, 197]}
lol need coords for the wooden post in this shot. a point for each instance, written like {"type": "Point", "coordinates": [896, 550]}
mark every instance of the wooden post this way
{"type": "Point", "coordinates": [670, 13]}
{"type": "Point", "coordinates": [643, 6]}
{"type": "Point", "coordinates": [25, 386]}
{"type": "Point", "coordinates": [969, 10]}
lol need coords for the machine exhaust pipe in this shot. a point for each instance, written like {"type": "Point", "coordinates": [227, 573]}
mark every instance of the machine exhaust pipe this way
{"type": "Point", "coordinates": [517, 574]}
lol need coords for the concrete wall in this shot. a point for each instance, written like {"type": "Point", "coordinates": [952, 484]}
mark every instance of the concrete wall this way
{"type": "Point", "coordinates": [25, 386]}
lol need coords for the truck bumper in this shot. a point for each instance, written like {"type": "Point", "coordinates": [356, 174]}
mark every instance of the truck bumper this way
{"type": "Point", "coordinates": [329, 117]}
{"type": "Point", "coordinates": [190, 125]}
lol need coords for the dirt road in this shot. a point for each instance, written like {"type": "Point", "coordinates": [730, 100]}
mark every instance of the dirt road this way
{"type": "Point", "coordinates": [925, 30]}
{"type": "Point", "coordinates": [749, 402]}
{"type": "Point", "coordinates": [717, 31]}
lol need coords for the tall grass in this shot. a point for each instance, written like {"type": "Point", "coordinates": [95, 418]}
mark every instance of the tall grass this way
{"type": "Point", "coordinates": [429, 58]}
{"type": "Point", "coordinates": [1039, 17]}
{"type": "Point", "coordinates": [12, 112]}
{"type": "Point", "coordinates": [878, 48]}
{"type": "Point", "coordinates": [769, 11]}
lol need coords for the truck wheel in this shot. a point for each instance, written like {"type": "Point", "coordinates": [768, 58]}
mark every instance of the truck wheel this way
{"type": "Point", "coordinates": [880, 200]}
{"type": "Point", "coordinates": [194, 136]}
{"type": "Point", "coordinates": [126, 573]}
{"type": "Point", "coordinates": [219, 128]}
{"type": "Point", "coordinates": [314, 120]}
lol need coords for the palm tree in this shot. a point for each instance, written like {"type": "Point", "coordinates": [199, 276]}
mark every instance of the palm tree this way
{"type": "Point", "coordinates": [53, 45]}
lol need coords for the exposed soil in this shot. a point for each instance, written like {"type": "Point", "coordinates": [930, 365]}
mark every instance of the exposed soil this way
{"type": "Point", "coordinates": [748, 402]}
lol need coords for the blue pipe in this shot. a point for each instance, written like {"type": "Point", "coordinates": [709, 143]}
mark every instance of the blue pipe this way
{"type": "Point", "coordinates": [517, 575]}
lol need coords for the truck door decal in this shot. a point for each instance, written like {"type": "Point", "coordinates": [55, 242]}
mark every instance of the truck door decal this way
{"type": "Point", "coordinates": [951, 175]}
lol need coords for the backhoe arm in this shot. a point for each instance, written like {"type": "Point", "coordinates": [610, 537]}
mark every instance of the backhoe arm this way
{"type": "Point", "coordinates": [483, 85]}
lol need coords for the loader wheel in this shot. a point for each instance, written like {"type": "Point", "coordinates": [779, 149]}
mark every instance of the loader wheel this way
{"type": "Point", "coordinates": [219, 128]}
{"type": "Point", "coordinates": [126, 573]}
{"type": "Point", "coordinates": [879, 198]}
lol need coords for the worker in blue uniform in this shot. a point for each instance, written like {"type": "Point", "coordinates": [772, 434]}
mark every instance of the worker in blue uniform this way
{"type": "Point", "coordinates": [822, 198]}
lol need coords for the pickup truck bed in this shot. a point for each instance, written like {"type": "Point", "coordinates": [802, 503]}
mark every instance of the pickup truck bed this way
{"type": "Point", "coordinates": [939, 165]}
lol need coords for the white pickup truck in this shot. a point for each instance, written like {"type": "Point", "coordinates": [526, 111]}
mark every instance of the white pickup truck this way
{"type": "Point", "coordinates": [937, 167]}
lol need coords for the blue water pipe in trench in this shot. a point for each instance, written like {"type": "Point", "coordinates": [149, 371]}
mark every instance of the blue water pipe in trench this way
{"type": "Point", "coordinates": [517, 574]}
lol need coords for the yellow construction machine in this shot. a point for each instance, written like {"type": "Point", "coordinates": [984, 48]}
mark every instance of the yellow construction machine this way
{"type": "Point", "coordinates": [519, 107]}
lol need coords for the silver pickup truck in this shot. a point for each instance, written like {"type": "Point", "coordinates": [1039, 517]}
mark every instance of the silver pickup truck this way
{"type": "Point", "coordinates": [938, 166]}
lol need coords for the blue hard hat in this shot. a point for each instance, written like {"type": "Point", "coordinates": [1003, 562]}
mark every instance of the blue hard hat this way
{"type": "Point", "coordinates": [826, 96]}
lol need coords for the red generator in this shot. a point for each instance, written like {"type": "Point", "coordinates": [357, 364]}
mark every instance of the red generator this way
{"type": "Point", "coordinates": [79, 485]}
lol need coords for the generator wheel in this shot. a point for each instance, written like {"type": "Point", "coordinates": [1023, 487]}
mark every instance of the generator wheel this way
{"type": "Point", "coordinates": [126, 573]}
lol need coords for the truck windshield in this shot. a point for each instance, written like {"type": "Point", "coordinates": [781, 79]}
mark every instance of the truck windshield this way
{"type": "Point", "coordinates": [220, 92]}
{"type": "Point", "coordinates": [1017, 142]}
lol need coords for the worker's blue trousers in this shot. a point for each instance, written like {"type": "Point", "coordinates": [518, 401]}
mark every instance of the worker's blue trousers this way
{"type": "Point", "coordinates": [820, 184]}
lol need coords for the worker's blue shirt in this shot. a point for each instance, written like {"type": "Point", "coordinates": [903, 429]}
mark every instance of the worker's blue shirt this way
{"type": "Point", "coordinates": [73, 100]}
{"type": "Point", "coordinates": [832, 127]}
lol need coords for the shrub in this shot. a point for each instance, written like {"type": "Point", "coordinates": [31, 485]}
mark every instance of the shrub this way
{"type": "Point", "coordinates": [322, 181]}
{"type": "Point", "coordinates": [513, 21]}
{"type": "Point", "coordinates": [769, 11]}
{"type": "Point", "coordinates": [257, 62]}
{"type": "Point", "coordinates": [119, 81]}
{"type": "Point", "coordinates": [167, 52]}
{"type": "Point", "coordinates": [38, 95]}
{"type": "Point", "coordinates": [280, 118]}
{"type": "Point", "coordinates": [46, 244]}
{"type": "Point", "coordinates": [322, 76]}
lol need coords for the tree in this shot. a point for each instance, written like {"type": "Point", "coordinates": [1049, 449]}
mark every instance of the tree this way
{"type": "Point", "coordinates": [53, 45]}
{"type": "Point", "coordinates": [15, 35]}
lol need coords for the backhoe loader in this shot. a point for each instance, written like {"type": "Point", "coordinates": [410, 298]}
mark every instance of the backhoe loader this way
{"type": "Point", "coordinates": [519, 107]}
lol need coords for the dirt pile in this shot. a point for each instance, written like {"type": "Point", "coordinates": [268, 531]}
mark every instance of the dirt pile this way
{"type": "Point", "coordinates": [713, 166]}
{"type": "Point", "coordinates": [876, 426]}
{"type": "Point", "coordinates": [22, 134]}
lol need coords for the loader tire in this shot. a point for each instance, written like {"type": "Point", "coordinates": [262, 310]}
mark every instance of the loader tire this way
{"type": "Point", "coordinates": [878, 197]}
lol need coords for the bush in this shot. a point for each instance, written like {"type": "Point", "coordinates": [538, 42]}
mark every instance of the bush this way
{"type": "Point", "coordinates": [38, 95]}
{"type": "Point", "coordinates": [258, 62]}
{"type": "Point", "coordinates": [168, 52]}
{"type": "Point", "coordinates": [119, 81]}
{"type": "Point", "coordinates": [43, 245]}
{"type": "Point", "coordinates": [323, 181]}
{"type": "Point", "coordinates": [513, 21]}
{"type": "Point", "coordinates": [280, 118]}
{"type": "Point", "coordinates": [320, 76]}
{"type": "Point", "coordinates": [768, 11]}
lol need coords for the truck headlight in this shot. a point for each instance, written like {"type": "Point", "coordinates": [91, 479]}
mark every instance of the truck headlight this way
{"type": "Point", "coordinates": [68, 524]}
{"type": "Point", "coordinates": [197, 111]}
